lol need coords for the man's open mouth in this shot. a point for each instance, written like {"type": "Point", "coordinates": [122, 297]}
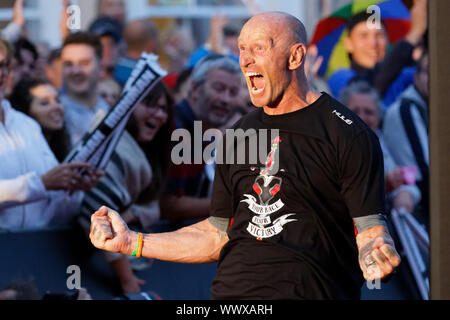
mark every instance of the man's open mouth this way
{"type": "Point", "coordinates": [257, 82]}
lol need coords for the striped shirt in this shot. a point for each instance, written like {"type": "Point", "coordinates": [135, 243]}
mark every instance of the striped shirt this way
{"type": "Point", "coordinates": [127, 175]}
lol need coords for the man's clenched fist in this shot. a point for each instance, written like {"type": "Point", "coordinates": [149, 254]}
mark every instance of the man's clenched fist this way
{"type": "Point", "coordinates": [377, 255]}
{"type": "Point", "coordinates": [108, 231]}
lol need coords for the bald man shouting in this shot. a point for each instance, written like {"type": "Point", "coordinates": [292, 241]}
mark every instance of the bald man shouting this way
{"type": "Point", "coordinates": [307, 221]}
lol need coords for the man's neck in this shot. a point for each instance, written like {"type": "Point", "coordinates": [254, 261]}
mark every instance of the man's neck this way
{"type": "Point", "coordinates": [89, 100]}
{"type": "Point", "coordinates": [295, 97]}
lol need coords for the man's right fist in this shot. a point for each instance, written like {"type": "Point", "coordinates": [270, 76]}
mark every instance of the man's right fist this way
{"type": "Point", "coordinates": [109, 232]}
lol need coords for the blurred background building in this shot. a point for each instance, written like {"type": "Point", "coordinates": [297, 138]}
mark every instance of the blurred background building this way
{"type": "Point", "coordinates": [191, 15]}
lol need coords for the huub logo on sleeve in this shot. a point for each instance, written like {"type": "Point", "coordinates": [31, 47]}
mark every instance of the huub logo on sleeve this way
{"type": "Point", "coordinates": [342, 117]}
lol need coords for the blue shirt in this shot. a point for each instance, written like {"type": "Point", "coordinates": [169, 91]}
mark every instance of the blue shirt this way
{"type": "Point", "coordinates": [80, 118]}
{"type": "Point", "coordinates": [341, 78]}
{"type": "Point", "coordinates": [123, 69]}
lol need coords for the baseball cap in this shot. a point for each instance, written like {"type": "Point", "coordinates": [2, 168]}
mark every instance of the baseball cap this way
{"type": "Point", "coordinates": [104, 25]}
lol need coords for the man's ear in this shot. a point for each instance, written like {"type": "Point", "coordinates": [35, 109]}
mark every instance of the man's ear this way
{"type": "Point", "coordinates": [297, 56]}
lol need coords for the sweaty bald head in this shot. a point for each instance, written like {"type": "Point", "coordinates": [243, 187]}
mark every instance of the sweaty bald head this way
{"type": "Point", "coordinates": [284, 22]}
{"type": "Point", "coordinates": [272, 54]}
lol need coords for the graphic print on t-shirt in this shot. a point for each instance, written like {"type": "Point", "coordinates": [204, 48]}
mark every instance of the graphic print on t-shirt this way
{"type": "Point", "coordinates": [267, 186]}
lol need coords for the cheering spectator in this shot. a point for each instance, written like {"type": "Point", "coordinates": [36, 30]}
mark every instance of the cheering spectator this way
{"type": "Point", "coordinates": [140, 36]}
{"type": "Point", "coordinates": [389, 73]}
{"type": "Point", "coordinates": [363, 99]}
{"type": "Point", "coordinates": [81, 55]}
{"type": "Point", "coordinates": [405, 129]}
{"type": "Point", "coordinates": [32, 184]}
{"type": "Point", "coordinates": [39, 100]}
{"type": "Point", "coordinates": [110, 33]}
{"type": "Point", "coordinates": [215, 90]}
{"type": "Point", "coordinates": [136, 175]}
{"type": "Point", "coordinates": [396, 71]}
{"type": "Point", "coordinates": [365, 46]}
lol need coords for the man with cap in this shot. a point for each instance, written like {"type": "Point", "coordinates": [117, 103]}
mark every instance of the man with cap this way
{"type": "Point", "coordinates": [109, 32]}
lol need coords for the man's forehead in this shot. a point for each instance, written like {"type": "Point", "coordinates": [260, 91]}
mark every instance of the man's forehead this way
{"type": "Point", "coordinates": [79, 47]}
{"type": "Point", "coordinates": [266, 27]}
{"type": "Point", "coordinates": [257, 31]}
{"type": "Point", "coordinates": [77, 52]}
{"type": "Point", "coordinates": [255, 36]}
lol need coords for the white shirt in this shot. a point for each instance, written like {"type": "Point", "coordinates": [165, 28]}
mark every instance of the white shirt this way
{"type": "Point", "coordinates": [24, 157]}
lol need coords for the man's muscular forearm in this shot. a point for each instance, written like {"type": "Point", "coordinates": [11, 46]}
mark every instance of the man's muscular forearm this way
{"type": "Point", "coordinates": [199, 243]}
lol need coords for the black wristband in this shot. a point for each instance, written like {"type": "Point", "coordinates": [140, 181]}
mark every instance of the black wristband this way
{"type": "Point", "coordinates": [367, 222]}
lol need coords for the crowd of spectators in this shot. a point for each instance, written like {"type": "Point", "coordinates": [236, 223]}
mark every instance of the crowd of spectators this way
{"type": "Point", "coordinates": [49, 99]}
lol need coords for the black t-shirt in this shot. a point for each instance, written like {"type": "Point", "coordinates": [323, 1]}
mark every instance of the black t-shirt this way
{"type": "Point", "coordinates": [291, 234]}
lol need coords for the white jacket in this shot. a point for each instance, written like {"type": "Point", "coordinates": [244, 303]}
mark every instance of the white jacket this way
{"type": "Point", "coordinates": [24, 157]}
